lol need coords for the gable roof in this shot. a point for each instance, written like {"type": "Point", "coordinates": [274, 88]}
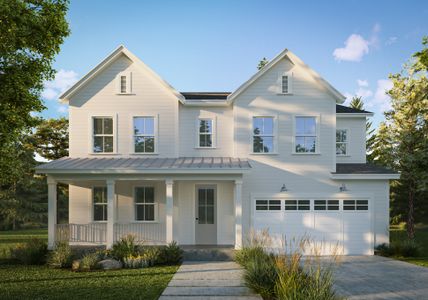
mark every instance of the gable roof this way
{"type": "Point", "coordinates": [341, 109]}
{"type": "Point", "coordinates": [296, 61]}
{"type": "Point", "coordinates": [65, 97]}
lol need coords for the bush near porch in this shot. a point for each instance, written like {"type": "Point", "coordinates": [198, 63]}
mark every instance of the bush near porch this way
{"type": "Point", "coordinates": [21, 281]}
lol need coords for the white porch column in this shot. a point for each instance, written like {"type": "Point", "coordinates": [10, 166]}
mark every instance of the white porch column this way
{"type": "Point", "coordinates": [52, 211]}
{"type": "Point", "coordinates": [169, 210]}
{"type": "Point", "coordinates": [238, 213]}
{"type": "Point", "coordinates": [110, 213]}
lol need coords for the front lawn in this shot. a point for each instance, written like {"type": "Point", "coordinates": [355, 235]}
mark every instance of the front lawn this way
{"type": "Point", "coordinates": [398, 233]}
{"type": "Point", "coordinates": [41, 282]}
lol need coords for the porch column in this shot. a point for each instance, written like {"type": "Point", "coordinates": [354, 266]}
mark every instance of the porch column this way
{"type": "Point", "coordinates": [238, 213]}
{"type": "Point", "coordinates": [110, 213]}
{"type": "Point", "coordinates": [52, 212]}
{"type": "Point", "coordinates": [169, 184]}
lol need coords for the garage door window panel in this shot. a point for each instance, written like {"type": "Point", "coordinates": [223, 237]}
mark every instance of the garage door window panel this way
{"type": "Point", "coordinates": [294, 205]}
{"type": "Point", "coordinates": [271, 205]}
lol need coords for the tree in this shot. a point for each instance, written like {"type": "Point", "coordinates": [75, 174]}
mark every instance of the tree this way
{"type": "Point", "coordinates": [50, 138]}
{"type": "Point", "coordinates": [358, 103]}
{"type": "Point", "coordinates": [31, 32]}
{"type": "Point", "coordinates": [402, 139]}
{"type": "Point", "coordinates": [422, 56]}
{"type": "Point", "coordinates": [263, 62]}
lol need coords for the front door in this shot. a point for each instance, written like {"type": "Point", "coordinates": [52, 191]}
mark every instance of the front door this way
{"type": "Point", "coordinates": [206, 224]}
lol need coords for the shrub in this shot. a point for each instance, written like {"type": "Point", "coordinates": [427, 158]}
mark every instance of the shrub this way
{"type": "Point", "coordinates": [261, 274]}
{"type": "Point", "coordinates": [33, 252]}
{"type": "Point", "coordinates": [89, 262]}
{"type": "Point", "coordinates": [172, 254]}
{"type": "Point", "coordinates": [124, 248]}
{"type": "Point", "coordinates": [406, 248]}
{"type": "Point", "coordinates": [136, 262]}
{"type": "Point", "coordinates": [61, 257]}
{"type": "Point", "coordinates": [248, 254]}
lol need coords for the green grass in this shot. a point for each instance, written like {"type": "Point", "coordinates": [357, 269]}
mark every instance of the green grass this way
{"type": "Point", "coordinates": [398, 233]}
{"type": "Point", "coordinates": [41, 282]}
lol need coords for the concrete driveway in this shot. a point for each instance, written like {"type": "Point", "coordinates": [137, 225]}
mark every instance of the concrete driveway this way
{"type": "Point", "coordinates": [376, 277]}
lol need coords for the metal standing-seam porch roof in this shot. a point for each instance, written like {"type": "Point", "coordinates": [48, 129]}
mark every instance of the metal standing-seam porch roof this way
{"type": "Point", "coordinates": [133, 165]}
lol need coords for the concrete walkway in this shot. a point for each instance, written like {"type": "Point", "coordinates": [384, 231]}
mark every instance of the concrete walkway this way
{"type": "Point", "coordinates": [210, 280]}
{"type": "Point", "coordinates": [376, 277]}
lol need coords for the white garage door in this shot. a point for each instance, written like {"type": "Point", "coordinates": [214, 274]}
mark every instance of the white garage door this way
{"type": "Point", "coordinates": [341, 226]}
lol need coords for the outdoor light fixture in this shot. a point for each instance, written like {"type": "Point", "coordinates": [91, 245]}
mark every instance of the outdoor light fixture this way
{"type": "Point", "coordinates": [343, 188]}
{"type": "Point", "coordinates": [283, 188]}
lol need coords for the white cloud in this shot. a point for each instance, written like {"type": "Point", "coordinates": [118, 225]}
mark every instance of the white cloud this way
{"type": "Point", "coordinates": [391, 40]}
{"type": "Point", "coordinates": [362, 82]}
{"type": "Point", "coordinates": [62, 81]}
{"type": "Point", "coordinates": [62, 109]}
{"type": "Point", "coordinates": [378, 100]}
{"type": "Point", "coordinates": [356, 46]}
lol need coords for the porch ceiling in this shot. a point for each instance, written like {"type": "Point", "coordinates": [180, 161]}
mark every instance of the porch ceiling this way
{"type": "Point", "coordinates": [133, 165]}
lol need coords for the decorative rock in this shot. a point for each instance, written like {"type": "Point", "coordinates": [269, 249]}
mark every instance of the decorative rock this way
{"type": "Point", "coordinates": [109, 264]}
{"type": "Point", "coordinates": [75, 266]}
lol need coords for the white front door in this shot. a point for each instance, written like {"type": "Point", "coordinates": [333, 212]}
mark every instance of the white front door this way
{"type": "Point", "coordinates": [206, 213]}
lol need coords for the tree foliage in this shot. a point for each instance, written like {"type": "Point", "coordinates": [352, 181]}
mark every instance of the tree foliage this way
{"type": "Point", "coordinates": [50, 138]}
{"type": "Point", "coordinates": [358, 103]}
{"type": "Point", "coordinates": [263, 62]}
{"type": "Point", "coordinates": [402, 140]}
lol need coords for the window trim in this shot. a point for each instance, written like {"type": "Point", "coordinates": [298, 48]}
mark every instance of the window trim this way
{"type": "Point", "coordinates": [275, 135]}
{"type": "Point", "coordinates": [317, 137]}
{"type": "Point", "coordinates": [128, 76]}
{"type": "Point", "coordinates": [289, 74]}
{"type": "Point", "coordinates": [156, 130]}
{"type": "Point", "coordinates": [134, 204]}
{"type": "Point", "coordinates": [213, 132]}
{"type": "Point", "coordinates": [93, 204]}
{"type": "Point", "coordinates": [347, 142]}
{"type": "Point", "coordinates": [91, 134]}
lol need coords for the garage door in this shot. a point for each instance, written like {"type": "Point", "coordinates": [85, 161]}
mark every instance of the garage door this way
{"type": "Point", "coordinates": [341, 226]}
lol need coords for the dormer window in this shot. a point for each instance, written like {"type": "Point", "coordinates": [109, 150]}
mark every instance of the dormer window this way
{"type": "Point", "coordinates": [285, 82]}
{"type": "Point", "coordinates": [124, 83]}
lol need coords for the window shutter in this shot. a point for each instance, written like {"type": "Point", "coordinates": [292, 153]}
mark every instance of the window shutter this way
{"type": "Point", "coordinates": [290, 82]}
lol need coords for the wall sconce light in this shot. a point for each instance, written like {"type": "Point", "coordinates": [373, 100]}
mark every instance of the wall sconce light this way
{"type": "Point", "coordinates": [283, 188]}
{"type": "Point", "coordinates": [343, 188]}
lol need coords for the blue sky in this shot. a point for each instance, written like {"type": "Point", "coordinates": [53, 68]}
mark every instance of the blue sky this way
{"type": "Point", "coordinates": [216, 45]}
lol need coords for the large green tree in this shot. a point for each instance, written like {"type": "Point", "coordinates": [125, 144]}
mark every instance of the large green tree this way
{"type": "Point", "coordinates": [50, 138]}
{"type": "Point", "coordinates": [402, 140]}
{"type": "Point", "coordinates": [31, 32]}
{"type": "Point", "coordinates": [358, 103]}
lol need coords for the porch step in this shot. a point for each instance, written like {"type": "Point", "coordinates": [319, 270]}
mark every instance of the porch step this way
{"type": "Point", "coordinates": [208, 254]}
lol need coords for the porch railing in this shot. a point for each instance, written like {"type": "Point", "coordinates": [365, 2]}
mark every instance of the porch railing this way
{"type": "Point", "coordinates": [95, 233]}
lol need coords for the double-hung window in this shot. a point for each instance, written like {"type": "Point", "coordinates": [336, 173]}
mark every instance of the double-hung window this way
{"type": "Point", "coordinates": [263, 135]}
{"type": "Point", "coordinates": [205, 133]}
{"type": "Point", "coordinates": [145, 206]}
{"type": "Point", "coordinates": [103, 138]}
{"type": "Point", "coordinates": [144, 134]}
{"type": "Point", "coordinates": [341, 142]}
{"type": "Point", "coordinates": [306, 135]}
{"type": "Point", "coordinates": [99, 200]}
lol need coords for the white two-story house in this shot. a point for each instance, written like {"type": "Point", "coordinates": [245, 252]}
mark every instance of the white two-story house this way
{"type": "Point", "coordinates": [278, 153]}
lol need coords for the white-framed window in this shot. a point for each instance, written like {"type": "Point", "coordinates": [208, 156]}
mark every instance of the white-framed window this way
{"type": "Point", "coordinates": [341, 142]}
{"type": "Point", "coordinates": [306, 134]}
{"type": "Point", "coordinates": [145, 205]}
{"type": "Point", "coordinates": [124, 83]}
{"type": "Point", "coordinates": [297, 204]}
{"type": "Point", "coordinates": [268, 204]}
{"type": "Point", "coordinates": [326, 204]}
{"type": "Point", "coordinates": [263, 134]}
{"type": "Point", "coordinates": [99, 201]}
{"type": "Point", "coordinates": [285, 83]}
{"type": "Point", "coordinates": [144, 131]}
{"type": "Point", "coordinates": [355, 204]}
{"type": "Point", "coordinates": [205, 133]}
{"type": "Point", "coordinates": [103, 134]}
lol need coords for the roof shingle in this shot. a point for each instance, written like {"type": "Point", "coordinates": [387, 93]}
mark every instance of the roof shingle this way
{"type": "Point", "coordinates": [367, 168]}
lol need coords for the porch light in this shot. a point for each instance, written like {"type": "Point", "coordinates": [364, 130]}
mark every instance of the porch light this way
{"type": "Point", "coordinates": [343, 188]}
{"type": "Point", "coordinates": [283, 188]}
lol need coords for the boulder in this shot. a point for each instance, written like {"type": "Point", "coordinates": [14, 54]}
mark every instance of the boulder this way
{"type": "Point", "coordinates": [75, 266]}
{"type": "Point", "coordinates": [109, 264]}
